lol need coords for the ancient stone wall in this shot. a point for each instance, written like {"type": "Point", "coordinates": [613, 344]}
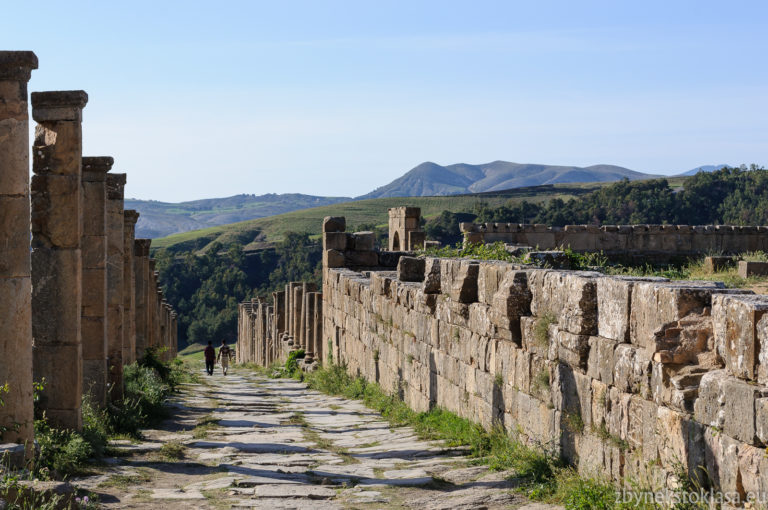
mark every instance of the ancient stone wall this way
{"type": "Point", "coordinates": [626, 377]}
{"type": "Point", "coordinates": [627, 240]}
{"type": "Point", "coordinates": [73, 296]}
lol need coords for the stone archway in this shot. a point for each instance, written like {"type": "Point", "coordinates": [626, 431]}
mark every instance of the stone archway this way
{"type": "Point", "coordinates": [396, 242]}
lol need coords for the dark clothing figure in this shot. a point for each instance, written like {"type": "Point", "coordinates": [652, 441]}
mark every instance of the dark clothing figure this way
{"type": "Point", "coordinates": [225, 354]}
{"type": "Point", "coordinates": [210, 359]}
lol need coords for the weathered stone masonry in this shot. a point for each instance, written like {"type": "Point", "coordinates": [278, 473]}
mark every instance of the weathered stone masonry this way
{"type": "Point", "coordinates": [63, 293]}
{"type": "Point", "coordinates": [625, 377]}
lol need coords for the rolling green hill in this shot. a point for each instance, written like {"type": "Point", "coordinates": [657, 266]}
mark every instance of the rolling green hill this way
{"type": "Point", "coordinates": [262, 232]}
{"type": "Point", "coordinates": [159, 219]}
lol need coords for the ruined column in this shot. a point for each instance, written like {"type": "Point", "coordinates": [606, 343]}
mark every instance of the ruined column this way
{"type": "Point", "coordinates": [94, 256]}
{"type": "Point", "coordinates": [115, 285]}
{"type": "Point", "coordinates": [15, 280]}
{"type": "Point", "coordinates": [57, 217]}
{"type": "Point", "coordinates": [151, 299]}
{"type": "Point", "coordinates": [296, 303]}
{"type": "Point", "coordinates": [174, 335]}
{"type": "Point", "coordinates": [308, 320]}
{"type": "Point", "coordinates": [141, 277]}
{"type": "Point", "coordinates": [130, 217]}
{"type": "Point", "coordinates": [317, 337]}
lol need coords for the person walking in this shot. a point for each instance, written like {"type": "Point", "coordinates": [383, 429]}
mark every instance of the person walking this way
{"type": "Point", "coordinates": [225, 353]}
{"type": "Point", "coordinates": [210, 358]}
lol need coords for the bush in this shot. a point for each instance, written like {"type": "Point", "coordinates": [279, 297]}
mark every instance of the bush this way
{"type": "Point", "coordinates": [62, 452]}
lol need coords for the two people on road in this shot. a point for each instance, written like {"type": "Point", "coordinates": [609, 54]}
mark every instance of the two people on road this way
{"type": "Point", "coordinates": [225, 354]}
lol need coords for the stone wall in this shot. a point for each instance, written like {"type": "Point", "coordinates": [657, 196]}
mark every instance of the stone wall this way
{"type": "Point", "coordinates": [76, 299]}
{"type": "Point", "coordinates": [625, 377]}
{"type": "Point", "coordinates": [624, 240]}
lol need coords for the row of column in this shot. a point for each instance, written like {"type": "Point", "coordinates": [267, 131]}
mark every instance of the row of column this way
{"type": "Point", "coordinates": [79, 296]}
{"type": "Point", "coordinates": [266, 333]}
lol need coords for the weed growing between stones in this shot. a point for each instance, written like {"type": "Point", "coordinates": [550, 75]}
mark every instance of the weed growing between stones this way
{"type": "Point", "coordinates": [541, 329]}
{"type": "Point", "coordinates": [204, 426]}
{"type": "Point", "coordinates": [172, 450]}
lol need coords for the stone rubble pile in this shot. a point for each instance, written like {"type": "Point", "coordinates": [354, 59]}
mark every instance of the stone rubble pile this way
{"type": "Point", "coordinates": [79, 296]}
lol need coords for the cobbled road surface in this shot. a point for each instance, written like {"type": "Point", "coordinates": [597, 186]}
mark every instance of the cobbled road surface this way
{"type": "Point", "coordinates": [274, 444]}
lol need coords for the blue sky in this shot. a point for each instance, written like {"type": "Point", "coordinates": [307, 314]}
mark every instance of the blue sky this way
{"type": "Point", "coordinates": [209, 99]}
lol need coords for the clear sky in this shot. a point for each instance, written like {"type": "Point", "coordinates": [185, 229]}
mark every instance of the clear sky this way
{"type": "Point", "coordinates": [209, 99]}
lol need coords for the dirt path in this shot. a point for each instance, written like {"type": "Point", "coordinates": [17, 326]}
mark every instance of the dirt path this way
{"type": "Point", "coordinates": [244, 441]}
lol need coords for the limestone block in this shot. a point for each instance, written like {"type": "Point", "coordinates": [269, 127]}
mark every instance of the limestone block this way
{"type": "Point", "coordinates": [714, 264]}
{"type": "Point", "coordinates": [361, 258]}
{"type": "Point", "coordinates": [51, 194]}
{"type": "Point", "coordinates": [14, 250]}
{"type": "Point", "coordinates": [432, 276]}
{"type": "Point", "coordinates": [489, 276]}
{"type": "Point", "coordinates": [739, 409]}
{"type": "Point", "coordinates": [336, 241]}
{"type": "Point", "coordinates": [333, 258]}
{"type": "Point", "coordinates": [463, 279]}
{"type": "Point", "coordinates": [614, 297]}
{"type": "Point", "coordinates": [761, 419]}
{"type": "Point", "coordinates": [60, 321]}
{"type": "Point", "coordinates": [572, 349]}
{"type": "Point", "coordinates": [536, 419]}
{"type": "Point", "coordinates": [722, 461]}
{"type": "Point", "coordinates": [708, 408]}
{"type": "Point", "coordinates": [363, 241]}
{"type": "Point", "coordinates": [334, 224]}
{"type": "Point", "coordinates": [747, 269]}
{"type": "Point", "coordinates": [632, 369]}
{"type": "Point", "coordinates": [523, 364]}
{"type": "Point", "coordinates": [600, 361]}
{"type": "Point", "coordinates": [533, 338]}
{"type": "Point", "coordinates": [570, 296]}
{"type": "Point", "coordinates": [511, 301]}
{"type": "Point", "coordinates": [735, 329]}
{"type": "Point", "coordinates": [599, 458]}
{"type": "Point", "coordinates": [655, 304]}
{"type": "Point", "coordinates": [411, 269]}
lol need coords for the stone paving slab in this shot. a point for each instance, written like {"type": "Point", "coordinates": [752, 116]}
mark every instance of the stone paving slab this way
{"type": "Point", "coordinates": [278, 445]}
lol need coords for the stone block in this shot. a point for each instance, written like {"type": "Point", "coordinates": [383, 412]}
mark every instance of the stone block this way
{"type": "Point", "coordinates": [489, 276]}
{"type": "Point", "coordinates": [390, 258]}
{"type": "Point", "coordinates": [432, 276]}
{"type": "Point", "coordinates": [600, 361]}
{"type": "Point", "coordinates": [739, 409]}
{"type": "Point", "coordinates": [656, 304]}
{"type": "Point", "coordinates": [735, 329]}
{"type": "Point", "coordinates": [363, 241]}
{"type": "Point", "coordinates": [335, 241]}
{"type": "Point", "coordinates": [572, 349]}
{"type": "Point", "coordinates": [747, 269]}
{"type": "Point", "coordinates": [761, 419]}
{"type": "Point", "coordinates": [334, 224]}
{"type": "Point", "coordinates": [55, 272]}
{"type": "Point", "coordinates": [14, 250]}
{"type": "Point", "coordinates": [570, 296]}
{"type": "Point", "coordinates": [511, 300]}
{"type": "Point", "coordinates": [333, 259]}
{"type": "Point", "coordinates": [535, 337]}
{"type": "Point", "coordinates": [52, 194]}
{"type": "Point", "coordinates": [361, 258]}
{"type": "Point", "coordinates": [632, 369]}
{"type": "Point", "coordinates": [715, 264]}
{"type": "Point", "coordinates": [708, 408]}
{"type": "Point", "coordinates": [614, 295]}
{"type": "Point", "coordinates": [411, 269]}
{"type": "Point", "coordinates": [463, 280]}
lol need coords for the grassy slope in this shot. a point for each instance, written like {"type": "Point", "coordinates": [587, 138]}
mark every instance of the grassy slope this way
{"type": "Point", "coordinates": [271, 229]}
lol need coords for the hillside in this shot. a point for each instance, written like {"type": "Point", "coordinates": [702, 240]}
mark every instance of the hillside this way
{"type": "Point", "coordinates": [431, 179]}
{"type": "Point", "coordinates": [702, 168]}
{"type": "Point", "coordinates": [259, 233]}
{"type": "Point", "coordinates": [159, 219]}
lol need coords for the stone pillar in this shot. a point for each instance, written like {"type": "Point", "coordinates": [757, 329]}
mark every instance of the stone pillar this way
{"type": "Point", "coordinates": [151, 303]}
{"type": "Point", "coordinates": [141, 277]}
{"type": "Point", "coordinates": [317, 337]}
{"type": "Point", "coordinates": [115, 286]}
{"type": "Point", "coordinates": [15, 280]}
{"type": "Point", "coordinates": [296, 303]}
{"type": "Point", "coordinates": [57, 219]}
{"type": "Point", "coordinates": [130, 217]}
{"type": "Point", "coordinates": [308, 320]}
{"type": "Point", "coordinates": [174, 335]}
{"type": "Point", "coordinates": [160, 317]}
{"type": "Point", "coordinates": [94, 255]}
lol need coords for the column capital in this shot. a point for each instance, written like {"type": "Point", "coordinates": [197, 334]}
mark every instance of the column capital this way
{"type": "Point", "coordinates": [58, 105]}
{"type": "Point", "coordinates": [131, 216]}
{"type": "Point", "coordinates": [141, 247]}
{"type": "Point", "coordinates": [95, 168]}
{"type": "Point", "coordinates": [17, 65]}
{"type": "Point", "coordinates": [115, 186]}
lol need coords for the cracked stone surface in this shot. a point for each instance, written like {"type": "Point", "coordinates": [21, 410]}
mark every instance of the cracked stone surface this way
{"type": "Point", "coordinates": [274, 444]}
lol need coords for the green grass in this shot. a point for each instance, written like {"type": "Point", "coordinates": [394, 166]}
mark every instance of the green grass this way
{"type": "Point", "coordinates": [541, 328]}
{"type": "Point", "coordinates": [373, 211]}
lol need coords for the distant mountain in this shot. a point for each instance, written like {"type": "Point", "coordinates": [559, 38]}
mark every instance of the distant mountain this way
{"type": "Point", "coordinates": [431, 179]}
{"type": "Point", "coordinates": [703, 168]}
{"type": "Point", "coordinates": [159, 219]}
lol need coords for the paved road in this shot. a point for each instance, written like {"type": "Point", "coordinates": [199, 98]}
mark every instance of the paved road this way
{"type": "Point", "coordinates": [278, 445]}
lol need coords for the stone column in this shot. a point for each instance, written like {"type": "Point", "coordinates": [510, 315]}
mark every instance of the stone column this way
{"type": "Point", "coordinates": [174, 335]}
{"type": "Point", "coordinates": [15, 280]}
{"type": "Point", "coordinates": [141, 276]}
{"type": "Point", "coordinates": [296, 304]}
{"type": "Point", "coordinates": [115, 286]}
{"type": "Point", "coordinates": [308, 320]}
{"type": "Point", "coordinates": [130, 217]}
{"type": "Point", "coordinates": [318, 327]}
{"type": "Point", "coordinates": [57, 218]}
{"type": "Point", "coordinates": [151, 302]}
{"type": "Point", "coordinates": [94, 254]}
